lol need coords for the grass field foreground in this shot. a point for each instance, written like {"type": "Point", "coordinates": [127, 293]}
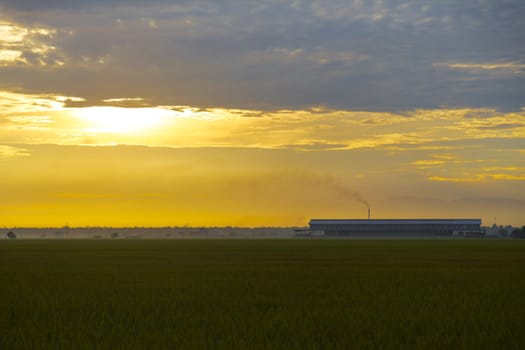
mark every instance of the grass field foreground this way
{"type": "Point", "coordinates": [262, 294]}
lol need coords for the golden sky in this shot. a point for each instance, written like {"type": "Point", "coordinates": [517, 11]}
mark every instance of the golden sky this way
{"type": "Point", "coordinates": [175, 165]}
{"type": "Point", "coordinates": [164, 115]}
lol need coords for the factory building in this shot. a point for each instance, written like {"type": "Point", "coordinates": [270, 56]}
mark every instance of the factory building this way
{"type": "Point", "coordinates": [398, 227]}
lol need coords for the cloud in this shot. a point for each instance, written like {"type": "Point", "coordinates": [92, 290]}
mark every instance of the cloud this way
{"type": "Point", "coordinates": [514, 68]}
{"type": "Point", "coordinates": [371, 55]}
{"type": "Point", "coordinates": [136, 102]}
{"type": "Point", "coordinates": [316, 55]}
{"type": "Point", "coordinates": [428, 163]}
{"type": "Point", "coordinates": [316, 146]}
{"type": "Point", "coordinates": [10, 152]}
{"type": "Point", "coordinates": [494, 126]}
{"type": "Point", "coordinates": [19, 103]}
{"type": "Point", "coordinates": [130, 120]}
{"type": "Point", "coordinates": [479, 178]}
{"type": "Point", "coordinates": [123, 99]}
{"type": "Point", "coordinates": [30, 46]}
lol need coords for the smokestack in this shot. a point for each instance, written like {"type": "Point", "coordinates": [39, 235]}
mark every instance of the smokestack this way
{"type": "Point", "coordinates": [368, 214]}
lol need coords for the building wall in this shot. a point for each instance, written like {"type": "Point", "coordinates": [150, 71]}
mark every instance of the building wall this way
{"type": "Point", "coordinates": [405, 227]}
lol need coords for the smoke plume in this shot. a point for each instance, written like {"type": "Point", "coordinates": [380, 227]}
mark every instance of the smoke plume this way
{"type": "Point", "coordinates": [344, 191]}
{"type": "Point", "coordinates": [276, 183]}
{"type": "Point", "coordinates": [332, 184]}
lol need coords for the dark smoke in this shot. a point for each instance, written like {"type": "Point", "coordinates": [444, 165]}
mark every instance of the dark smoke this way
{"type": "Point", "coordinates": [333, 184]}
{"type": "Point", "coordinates": [274, 183]}
{"type": "Point", "coordinates": [347, 192]}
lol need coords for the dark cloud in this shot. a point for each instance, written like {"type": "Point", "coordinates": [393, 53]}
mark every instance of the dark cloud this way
{"type": "Point", "coordinates": [356, 55]}
{"type": "Point", "coordinates": [32, 5]}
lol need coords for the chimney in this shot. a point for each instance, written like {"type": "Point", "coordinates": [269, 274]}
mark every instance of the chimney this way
{"type": "Point", "coordinates": [368, 214]}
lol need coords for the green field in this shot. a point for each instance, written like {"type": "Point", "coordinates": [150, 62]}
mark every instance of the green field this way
{"type": "Point", "coordinates": [262, 294]}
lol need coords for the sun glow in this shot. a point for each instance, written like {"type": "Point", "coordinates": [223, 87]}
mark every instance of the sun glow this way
{"type": "Point", "coordinates": [122, 120]}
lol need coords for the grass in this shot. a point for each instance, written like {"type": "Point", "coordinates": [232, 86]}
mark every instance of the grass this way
{"type": "Point", "coordinates": [262, 294]}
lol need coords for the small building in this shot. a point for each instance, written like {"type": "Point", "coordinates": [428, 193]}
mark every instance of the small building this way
{"type": "Point", "coordinates": [396, 227]}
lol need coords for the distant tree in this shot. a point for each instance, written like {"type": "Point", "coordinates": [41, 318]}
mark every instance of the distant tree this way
{"type": "Point", "coordinates": [114, 235]}
{"type": "Point", "coordinates": [11, 235]}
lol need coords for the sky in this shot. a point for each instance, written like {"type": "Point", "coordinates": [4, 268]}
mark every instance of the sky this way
{"type": "Point", "coordinates": [260, 113]}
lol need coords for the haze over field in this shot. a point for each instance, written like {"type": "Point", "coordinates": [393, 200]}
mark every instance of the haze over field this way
{"type": "Point", "coordinates": [208, 113]}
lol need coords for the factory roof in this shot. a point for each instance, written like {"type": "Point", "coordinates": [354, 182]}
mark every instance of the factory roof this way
{"type": "Point", "coordinates": [393, 221]}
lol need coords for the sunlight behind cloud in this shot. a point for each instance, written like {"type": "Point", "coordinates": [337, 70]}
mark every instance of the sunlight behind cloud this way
{"type": "Point", "coordinates": [122, 120]}
{"type": "Point", "coordinates": [50, 119]}
{"type": "Point", "coordinates": [13, 103]}
{"type": "Point", "coordinates": [517, 68]}
{"type": "Point", "coordinates": [27, 46]}
{"type": "Point", "coordinates": [9, 56]}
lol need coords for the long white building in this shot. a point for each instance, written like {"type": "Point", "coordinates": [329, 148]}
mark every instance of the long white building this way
{"type": "Point", "coordinates": [397, 227]}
